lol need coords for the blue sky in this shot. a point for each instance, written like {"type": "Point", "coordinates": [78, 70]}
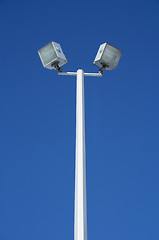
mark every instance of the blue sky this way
{"type": "Point", "coordinates": [37, 123]}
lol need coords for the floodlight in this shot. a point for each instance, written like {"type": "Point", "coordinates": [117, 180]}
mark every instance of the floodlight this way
{"type": "Point", "coordinates": [52, 56]}
{"type": "Point", "coordinates": [107, 57]}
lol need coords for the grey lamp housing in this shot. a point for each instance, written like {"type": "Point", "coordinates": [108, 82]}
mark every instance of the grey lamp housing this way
{"type": "Point", "coordinates": [107, 57]}
{"type": "Point", "coordinates": [52, 56]}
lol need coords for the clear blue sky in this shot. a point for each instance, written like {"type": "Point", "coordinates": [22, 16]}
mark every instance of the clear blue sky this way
{"type": "Point", "coordinates": [37, 120]}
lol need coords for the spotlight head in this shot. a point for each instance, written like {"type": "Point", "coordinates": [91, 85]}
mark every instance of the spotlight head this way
{"type": "Point", "coordinates": [52, 56]}
{"type": "Point", "coordinates": [107, 57]}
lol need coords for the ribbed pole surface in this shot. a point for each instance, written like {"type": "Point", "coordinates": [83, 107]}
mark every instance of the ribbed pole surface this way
{"type": "Point", "coordinates": [80, 215]}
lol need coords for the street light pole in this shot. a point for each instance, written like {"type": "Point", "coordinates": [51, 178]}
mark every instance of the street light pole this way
{"type": "Point", "coordinates": [80, 214]}
{"type": "Point", "coordinates": [107, 58]}
{"type": "Point", "coordinates": [80, 207]}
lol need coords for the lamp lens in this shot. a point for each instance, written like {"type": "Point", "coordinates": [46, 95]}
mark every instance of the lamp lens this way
{"type": "Point", "coordinates": [48, 54]}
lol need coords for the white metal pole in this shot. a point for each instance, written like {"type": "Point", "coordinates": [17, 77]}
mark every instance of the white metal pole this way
{"type": "Point", "coordinates": [80, 215]}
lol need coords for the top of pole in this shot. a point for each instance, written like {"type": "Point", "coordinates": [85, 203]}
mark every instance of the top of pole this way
{"type": "Point", "coordinates": [100, 74]}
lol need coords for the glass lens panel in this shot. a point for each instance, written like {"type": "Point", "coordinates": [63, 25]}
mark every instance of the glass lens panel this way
{"type": "Point", "coordinates": [47, 54]}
